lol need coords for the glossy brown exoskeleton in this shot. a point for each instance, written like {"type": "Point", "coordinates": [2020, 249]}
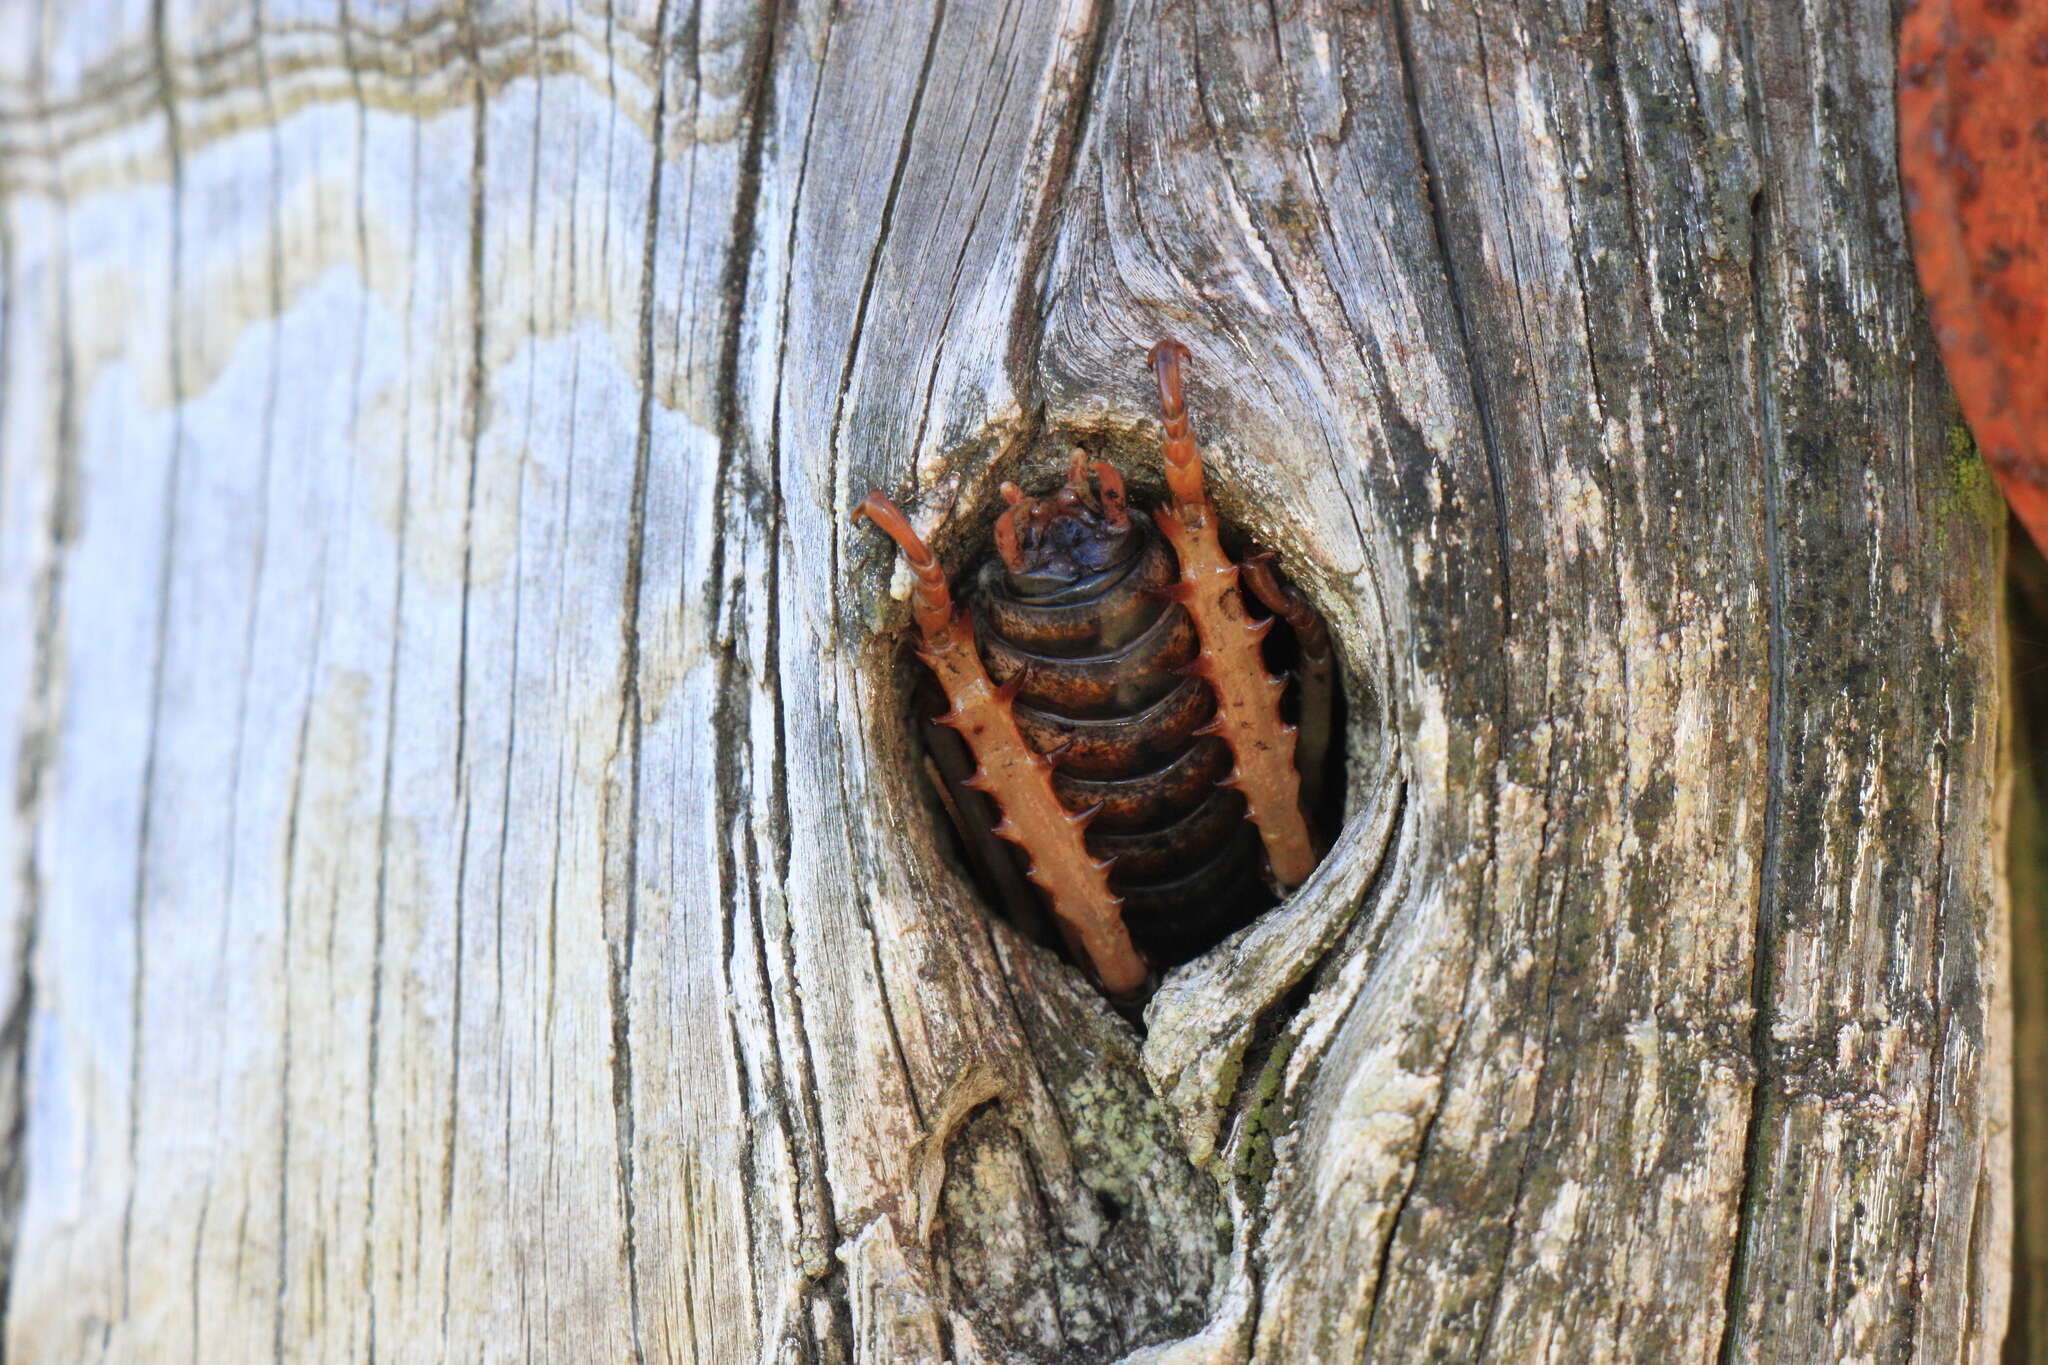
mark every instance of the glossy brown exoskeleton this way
{"type": "Point", "coordinates": [1112, 715]}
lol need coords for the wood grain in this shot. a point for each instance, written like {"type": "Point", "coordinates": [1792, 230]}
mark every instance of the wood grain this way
{"type": "Point", "coordinates": [469, 889]}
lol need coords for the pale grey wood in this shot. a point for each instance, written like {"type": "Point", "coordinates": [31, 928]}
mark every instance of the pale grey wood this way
{"type": "Point", "coordinates": [470, 890]}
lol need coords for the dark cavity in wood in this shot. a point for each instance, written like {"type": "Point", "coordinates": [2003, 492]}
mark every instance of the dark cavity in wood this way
{"type": "Point", "coordinates": [1163, 715]}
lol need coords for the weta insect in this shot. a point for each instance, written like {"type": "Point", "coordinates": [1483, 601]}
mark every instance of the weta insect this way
{"type": "Point", "coordinates": [1112, 715]}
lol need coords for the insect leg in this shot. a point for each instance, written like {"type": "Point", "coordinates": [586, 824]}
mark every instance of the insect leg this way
{"type": "Point", "coordinates": [949, 765]}
{"type": "Point", "coordinates": [1316, 672]}
{"type": "Point", "coordinates": [1011, 773]}
{"type": "Point", "coordinates": [1247, 696]}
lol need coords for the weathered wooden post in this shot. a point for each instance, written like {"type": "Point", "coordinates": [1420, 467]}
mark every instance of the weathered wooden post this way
{"type": "Point", "coordinates": [469, 887]}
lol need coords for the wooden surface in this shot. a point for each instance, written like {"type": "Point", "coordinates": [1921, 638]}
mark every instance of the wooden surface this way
{"type": "Point", "coordinates": [469, 892]}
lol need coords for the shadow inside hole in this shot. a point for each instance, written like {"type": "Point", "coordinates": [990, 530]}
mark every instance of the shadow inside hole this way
{"type": "Point", "coordinates": [1174, 912]}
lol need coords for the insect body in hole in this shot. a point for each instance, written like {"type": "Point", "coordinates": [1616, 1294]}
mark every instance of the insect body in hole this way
{"type": "Point", "coordinates": [1112, 716]}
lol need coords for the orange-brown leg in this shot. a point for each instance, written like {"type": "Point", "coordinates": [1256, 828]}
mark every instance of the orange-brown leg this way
{"type": "Point", "coordinates": [1247, 696]}
{"type": "Point", "coordinates": [1014, 775]}
{"type": "Point", "coordinates": [1315, 675]}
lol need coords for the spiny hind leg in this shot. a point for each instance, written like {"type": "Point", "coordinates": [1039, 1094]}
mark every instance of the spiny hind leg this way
{"type": "Point", "coordinates": [1247, 696]}
{"type": "Point", "coordinates": [1016, 777]}
{"type": "Point", "coordinates": [1315, 673]}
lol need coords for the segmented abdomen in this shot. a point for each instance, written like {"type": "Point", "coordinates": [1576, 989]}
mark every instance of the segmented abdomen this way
{"type": "Point", "coordinates": [1103, 692]}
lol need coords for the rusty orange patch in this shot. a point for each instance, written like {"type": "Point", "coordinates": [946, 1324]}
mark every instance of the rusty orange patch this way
{"type": "Point", "coordinates": [1973, 163]}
